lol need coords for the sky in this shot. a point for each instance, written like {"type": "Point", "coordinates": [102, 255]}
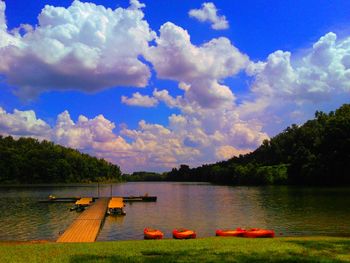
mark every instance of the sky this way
{"type": "Point", "coordinates": [150, 85]}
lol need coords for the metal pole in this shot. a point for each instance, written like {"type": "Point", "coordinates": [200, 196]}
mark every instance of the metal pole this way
{"type": "Point", "coordinates": [98, 189]}
{"type": "Point", "coordinates": [111, 190]}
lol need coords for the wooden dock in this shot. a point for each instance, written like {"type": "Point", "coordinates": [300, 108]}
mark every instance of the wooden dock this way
{"type": "Point", "coordinates": [141, 198]}
{"type": "Point", "coordinates": [87, 226]}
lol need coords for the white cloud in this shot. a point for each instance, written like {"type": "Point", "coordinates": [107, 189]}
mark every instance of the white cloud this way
{"type": "Point", "coordinates": [312, 76]}
{"type": "Point", "coordinates": [226, 152]}
{"type": "Point", "coordinates": [208, 12]}
{"type": "Point", "coordinates": [22, 123]}
{"type": "Point", "coordinates": [300, 82]}
{"type": "Point", "coordinates": [200, 67]}
{"type": "Point", "coordinates": [209, 93]}
{"type": "Point", "coordinates": [85, 47]}
{"type": "Point", "coordinates": [164, 96]}
{"type": "Point", "coordinates": [3, 25]}
{"type": "Point", "coordinates": [6, 39]}
{"type": "Point", "coordinates": [135, 4]}
{"type": "Point", "coordinates": [175, 57]}
{"type": "Point", "coordinates": [139, 100]}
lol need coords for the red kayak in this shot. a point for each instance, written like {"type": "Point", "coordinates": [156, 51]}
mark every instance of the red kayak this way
{"type": "Point", "coordinates": [183, 233]}
{"type": "Point", "coordinates": [257, 232]}
{"type": "Point", "coordinates": [151, 233]}
{"type": "Point", "coordinates": [238, 232]}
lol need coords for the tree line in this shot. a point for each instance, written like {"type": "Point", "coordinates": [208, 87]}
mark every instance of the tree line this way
{"type": "Point", "coordinates": [29, 161]}
{"type": "Point", "coordinates": [315, 153]}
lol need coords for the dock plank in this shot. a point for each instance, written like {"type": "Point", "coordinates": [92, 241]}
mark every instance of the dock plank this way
{"type": "Point", "coordinates": [87, 226]}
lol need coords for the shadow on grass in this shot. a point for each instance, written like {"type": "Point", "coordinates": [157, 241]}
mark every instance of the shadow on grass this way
{"type": "Point", "coordinates": [339, 247]}
{"type": "Point", "coordinates": [325, 248]}
{"type": "Point", "coordinates": [204, 256]}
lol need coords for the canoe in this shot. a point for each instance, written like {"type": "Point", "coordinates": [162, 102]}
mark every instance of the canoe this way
{"type": "Point", "coordinates": [257, 232]}
{"type": "Point", "coordinates": [183, 233]}
{"type": "Point", "coordinates": [150, 233]}
{"type": "Point", "coordinates": [238, 232]}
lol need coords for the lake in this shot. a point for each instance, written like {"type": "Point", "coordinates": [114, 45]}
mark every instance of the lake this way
{"type": "Point", "coordinates": [290, 211]}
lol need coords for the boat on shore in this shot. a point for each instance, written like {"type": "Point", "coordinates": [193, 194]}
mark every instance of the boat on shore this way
{"type": "Point", "coordinates": [183, 233]}
{"type": "Point", "coordinates": [238, 232]}
{"type": "Point", "coordinates": [150, 233]}
{"type": "Point", "coordinates": [257, 232]}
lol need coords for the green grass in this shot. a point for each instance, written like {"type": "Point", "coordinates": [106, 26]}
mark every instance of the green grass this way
{"type": "Point", "coordinates": [300, 249]}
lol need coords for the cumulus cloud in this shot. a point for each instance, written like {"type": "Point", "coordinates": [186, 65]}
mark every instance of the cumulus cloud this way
{"type": "Point", "coordinates": [164, 96]}
{"type": "Point", "coordinates": [208, 13]}
{"type": "Point", "coordinates": [22, 123]}
{"type": "Point", "coordinates": [175, 57]}
{"type": "Point", "coordinates": [312, 76]}
{"type": "Point", "coordinates": [6, 39]}
{"type": "Point", "coordinates": [200, 67]}
{"type": "Point", "coordinates": [89, 47]}
{"type": "Point", "coordinates": [85, 47]}
{"type": "Point", "coordinates": [301, 81]}
{"type": "Point", "coordinates": [135, 4]}
{"type": "Point", "coordinates": [209, 129]}
{"type": "Point", "coordinates": [140, 100]}
{"type": "Point", "coordinates": [2, 16]}
{"type": "Point", "coordinates": [225, 152]}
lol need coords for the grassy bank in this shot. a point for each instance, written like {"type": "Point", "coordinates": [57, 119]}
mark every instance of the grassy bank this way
{"type": "Point", "coordinates": [305, 249]}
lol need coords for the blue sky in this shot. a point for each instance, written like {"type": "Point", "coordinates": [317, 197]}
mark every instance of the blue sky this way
{"type": "Point", "coordinates": [158, 85]}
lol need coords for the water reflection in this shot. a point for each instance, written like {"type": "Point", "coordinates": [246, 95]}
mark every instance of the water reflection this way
{"type": "Point", "coordinates": [202, 207]}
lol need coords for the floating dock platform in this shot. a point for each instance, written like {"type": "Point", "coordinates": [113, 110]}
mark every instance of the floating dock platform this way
{"type": "Point", "coordinates": [84, 201]}
{"type": "Point", "coordinates": [116, 202]}
{"type": "Point", "coordinates": [116, 206]}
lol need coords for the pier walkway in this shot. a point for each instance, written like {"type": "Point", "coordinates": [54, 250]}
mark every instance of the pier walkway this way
{"type": "Point", "coordinates": [87, 226]}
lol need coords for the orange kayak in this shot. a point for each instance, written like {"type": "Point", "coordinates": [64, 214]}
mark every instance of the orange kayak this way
{"type": "Point", "coordinates": [257, 232]}
{"type": "Point", "coordinates": [151, 233]}
{"type": "Point", "coordinates": [238, 232]}
{"type": "Point", "coordinates": [183, 233]}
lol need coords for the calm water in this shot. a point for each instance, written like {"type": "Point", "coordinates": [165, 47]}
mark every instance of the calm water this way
{"type": "Point", "coordinates": [203, 207]}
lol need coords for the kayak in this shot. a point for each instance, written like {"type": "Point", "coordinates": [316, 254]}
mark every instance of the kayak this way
{"type": "Point", "coordinates": [238, 232]}
{"type": "Point", "coordinates": [183, 233]}
{"type": "Point", "coordinates": [257, 232]}
{"type": "Point", "coordinates": [151, 233]}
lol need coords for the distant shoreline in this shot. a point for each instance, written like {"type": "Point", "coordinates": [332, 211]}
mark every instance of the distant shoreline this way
{"type": "Point", "coordinates": [59, 184]}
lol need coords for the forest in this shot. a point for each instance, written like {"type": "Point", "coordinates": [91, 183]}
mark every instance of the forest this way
{"type": "Point", "coordinates": [315, 153]}
{"type": "Point", "coordinates": [28, 161]}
